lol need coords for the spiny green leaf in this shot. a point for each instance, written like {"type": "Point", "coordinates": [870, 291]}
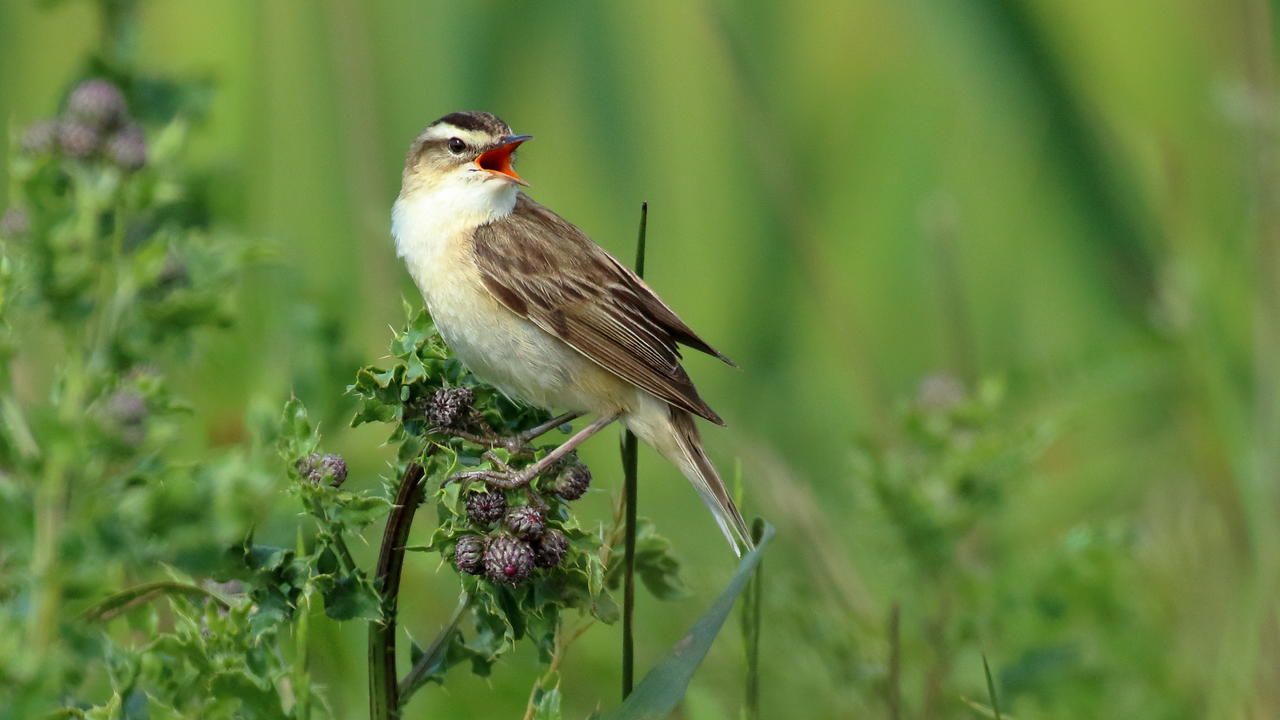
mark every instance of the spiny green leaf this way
{"type": "Point", "coordinates": [547, 705]}
{"type": "Point", "coordinates": [657, 567]}
{"type": "Point", "coordinates": [350, 597]}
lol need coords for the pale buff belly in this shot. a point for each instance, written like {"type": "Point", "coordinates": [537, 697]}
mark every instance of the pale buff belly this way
{"type": "Point", "coordinates": [516, 356]}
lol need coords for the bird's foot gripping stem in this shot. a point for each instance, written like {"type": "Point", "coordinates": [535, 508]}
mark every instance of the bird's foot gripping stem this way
{"type": "Point", "coordinates": [518, 444]}
{"type": "Point", "coordinates": [509, 479]}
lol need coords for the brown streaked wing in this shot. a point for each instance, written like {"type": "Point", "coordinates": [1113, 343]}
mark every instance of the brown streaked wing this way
{"type": "Point", "coordinates": [665, 315]}
{"type": "Point", "coordinates": [544, 269]}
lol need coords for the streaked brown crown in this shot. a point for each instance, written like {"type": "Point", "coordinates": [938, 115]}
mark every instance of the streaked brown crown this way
{"type": "Point", "coordinates": [475, 120]}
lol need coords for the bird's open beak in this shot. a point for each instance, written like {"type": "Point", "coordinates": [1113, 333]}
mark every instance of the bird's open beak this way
{"type": "Point", "coordinates": [498, 160]}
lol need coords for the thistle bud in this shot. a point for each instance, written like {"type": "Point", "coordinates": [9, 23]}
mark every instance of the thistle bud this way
{"type": "Point", "coordinates": [128, 412]}
{"type": "Point", "coordinates": [127, 408]}
{"type": "Point", "coordinates": [315, 468]}
{"type": "Point", "coordinates": [550, 549]}
{"type": "Point", "coordinates": [128, 148]}
{"type": "Point", "coordinates": [78, 140]}
{"type": "Point", "coordinates": [97, 102]}
{"type": "Point", "coordinates": [486, 507]}
{"type": "Point", "coordinates": [334, 467]}
{"type": "Point", "coordinates": [468, 554]}
{"type": "Point", "coordinates": [573, 480]}
{"type": "Point", "coordinates": [508, 560]}
{"type": "Point", "coordinates": [449, 406]}
{"type": "Point", "coordinates": [525, 522]}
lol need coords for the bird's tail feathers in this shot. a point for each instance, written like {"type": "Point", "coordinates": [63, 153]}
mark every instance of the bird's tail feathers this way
{"type": "Point", "coordinates": [697, 467]}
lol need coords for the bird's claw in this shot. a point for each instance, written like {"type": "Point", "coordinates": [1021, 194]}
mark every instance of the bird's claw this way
{"type": "Point", "coordinates": [494, 478]}
{"type": "Point", "coordinates": [517, 445]}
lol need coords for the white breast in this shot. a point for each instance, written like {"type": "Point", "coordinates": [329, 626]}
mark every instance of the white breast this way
{"type": "Point", "coordinates": [433, 234]}
{"type": "Point", "coordinates": [429, 220]}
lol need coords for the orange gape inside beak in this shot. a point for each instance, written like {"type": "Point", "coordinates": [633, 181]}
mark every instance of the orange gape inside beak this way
{"type": "Point", "coordinates": [498, 160]}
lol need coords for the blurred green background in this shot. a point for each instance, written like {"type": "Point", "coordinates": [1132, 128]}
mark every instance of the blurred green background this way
{"type": "Point", "coordinates": [859, 202]}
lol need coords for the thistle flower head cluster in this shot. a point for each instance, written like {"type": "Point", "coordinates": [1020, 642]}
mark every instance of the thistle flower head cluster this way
{"type": "Point", "coordinates": [95, 125]}
{"type": "Point", "coordinates": [506, 544]}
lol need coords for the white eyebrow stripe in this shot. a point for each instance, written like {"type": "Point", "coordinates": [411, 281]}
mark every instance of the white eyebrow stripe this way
{"type": "Point", "coordinates": [445, 130]}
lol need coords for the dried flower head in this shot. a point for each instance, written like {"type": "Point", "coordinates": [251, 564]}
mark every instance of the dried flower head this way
{"type": "Point", "coordinates": [449, 407]}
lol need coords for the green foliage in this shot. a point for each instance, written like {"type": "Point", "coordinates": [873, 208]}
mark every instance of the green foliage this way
{"type": "Point", "coordinates": [114, 271]}
{"type": "Point", "coordinates": [950, 468]}
{"type": "Point", "coordinates": [656, 566]}
{"type": "Point", "coordinates": [214, 661]}
{"type": "Point", "coordinates": [943, 483]}
{"type": "Point", "coordinates": [108, 261]}
{"type": "Point", "coordinates": [1072, 196]}
{"type": "Point", "coordinates": [226, 653]}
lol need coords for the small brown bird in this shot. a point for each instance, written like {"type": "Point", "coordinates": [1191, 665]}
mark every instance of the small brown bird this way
{"type": "Point", "coordinates": [531, 305]}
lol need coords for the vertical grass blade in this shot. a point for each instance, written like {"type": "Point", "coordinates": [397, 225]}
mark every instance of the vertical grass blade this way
{"type": "Point", "coordinates": [751, 629]}
{"type": "Point", "coordinates": [640, 239]}
{"type": "Point", "coordinates": [991, 687]}
{"type": "Point", "coordinates": [630, 484]}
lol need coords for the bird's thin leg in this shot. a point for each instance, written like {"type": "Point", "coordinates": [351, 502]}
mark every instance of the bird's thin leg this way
{"type": "Point", "coordinates": [568, 446]}
{"type": "Point", "coordinates": [515, 444]}
{"type": "Point", "coordinates": [546, 427]}
{"type": "Point", "coordinates": [509, 480]}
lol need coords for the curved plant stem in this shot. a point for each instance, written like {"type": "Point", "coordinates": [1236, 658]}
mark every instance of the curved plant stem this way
{"type": "Point", "coordinates": [384, 697]}
{"type": "Point", "coordinates": [418, 674]}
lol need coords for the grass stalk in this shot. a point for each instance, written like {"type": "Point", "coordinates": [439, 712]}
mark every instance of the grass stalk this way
{"type": "Point", "coordinates": [300, 682]}
{"type": "Point", "coordinates": [991, 688]}
{"type": "Point", "coordinates": [630, 470]}
{"type": "Point", "coordinates": [751, 628]}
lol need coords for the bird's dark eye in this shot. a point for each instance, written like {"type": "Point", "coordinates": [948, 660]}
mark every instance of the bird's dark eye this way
{"type": "Point", "coordinates": [456, 145]}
